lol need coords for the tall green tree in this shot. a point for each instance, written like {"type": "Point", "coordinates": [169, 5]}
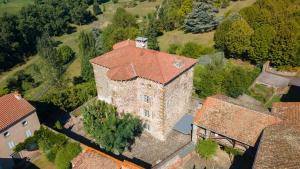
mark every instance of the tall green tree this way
{"type": "Point", "coordinates": [123, 27]}
{"type": "Point", "coordinates": [238, 39]}
{"type": "Point", "coordinates": [87, 50]}
{"type": "Point", "coordinates": [53, 64]}
{"type": "Point", "coordinates": [152, 33]}
{"type": "Point", "coordinates": [261, 44]}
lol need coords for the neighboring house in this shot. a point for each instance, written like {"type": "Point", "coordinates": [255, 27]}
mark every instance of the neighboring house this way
{"type": "Point", "coordinates": [230, 122]}
{"type": "Point", "coordinates": [18, 120]}
{"type": "Point", "coordinates": [279, 146]}
{"type": "Point", "coordinates": [155, 86]}
{"type": "Point", "coordinates": [90, 158]}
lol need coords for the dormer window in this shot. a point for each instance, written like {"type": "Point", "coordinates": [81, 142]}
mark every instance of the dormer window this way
{"type": "Point", "coordinates": [6, 134]}
{"type": "Point", "coordinates": [178, 63]}
{"type": "Point", "coordinates": [24, 123]}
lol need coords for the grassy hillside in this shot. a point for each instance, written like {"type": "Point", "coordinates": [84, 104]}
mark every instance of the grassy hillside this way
{"type": "Point", "coordinates": [13, 6]}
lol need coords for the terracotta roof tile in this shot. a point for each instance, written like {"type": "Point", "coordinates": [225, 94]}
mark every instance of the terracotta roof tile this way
{"type": "Point", "coordinates": [289, 112]}
{"type": "Point", "coordinates": [279, 148]}
{"type": "Point", "coordinates": [91, 158]}
{"type": "Point", "coordinates": [13, 109]}
{"type": "Point", "coordinates": [224, 116]}
{"type": "Point", "coordinates": [126, 61]}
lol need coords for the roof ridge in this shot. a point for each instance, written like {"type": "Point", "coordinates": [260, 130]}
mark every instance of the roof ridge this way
{"type": "Point", "coordinates": [133, 69]}
{"type": "Point", "coordinates": [157, 60]}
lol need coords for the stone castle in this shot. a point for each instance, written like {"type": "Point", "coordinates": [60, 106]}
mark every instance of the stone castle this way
{"type": "Point", "coordinates": [152, 85]}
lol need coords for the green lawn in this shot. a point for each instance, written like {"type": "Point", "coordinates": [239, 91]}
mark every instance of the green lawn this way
{"type": "Point", "coordinates": [261, 92]}
{"type": "Point", "coordinates": [205, 39]}
{"type": "Point", "coordinates": [179, 37]}
{"type": "Point", "coordinates": [13, 6]}
{"type": "Point", "coordinates": [42, 163]}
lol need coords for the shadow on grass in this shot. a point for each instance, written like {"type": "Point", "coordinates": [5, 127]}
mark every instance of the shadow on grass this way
{"type": "Point", "coordinates": [48, 113]}
{"type": "Point", "coordinates": [245, 161]}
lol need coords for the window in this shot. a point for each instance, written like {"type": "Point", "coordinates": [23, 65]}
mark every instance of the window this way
{"type": "Point", "coordinates": [6, 134]}
{"type": "Point", "coordinates": [147, 126]}
{"type": "Point", "coordinates": [24, 123]}
{"type": "Point", "coordinates": [146, 99]}
{"type": "Point", "coordinates": [146, 113]}
{"type": "Point", "coordinates": [28, 133]}
{"type": "Point", "coordinates": [11, 144]}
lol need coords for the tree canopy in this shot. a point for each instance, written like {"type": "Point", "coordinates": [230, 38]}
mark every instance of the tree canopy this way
{"type": "Point", "coordinates": [111, 131]}
{"type": "Point", "coordinates": [267, 30]}
{"type": "Point", "coordinates": [201, 19]}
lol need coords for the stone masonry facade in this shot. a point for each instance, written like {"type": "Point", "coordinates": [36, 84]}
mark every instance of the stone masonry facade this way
{"type": "Point", "coordinates": [159, 106]}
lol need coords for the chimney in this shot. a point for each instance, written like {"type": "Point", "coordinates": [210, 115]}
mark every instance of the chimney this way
{"type": "Point", "coordinates": [141, 42]}
{"type": "Point", "coordinates": [17, 95]}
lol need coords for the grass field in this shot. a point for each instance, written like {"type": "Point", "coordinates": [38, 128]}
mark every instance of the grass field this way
{"type": "Point", "coordinates": [13, 6]}
{"type": "Point", "coordinates": [179, 37]}
{"type": "Point", "coordinates": [205, 39]}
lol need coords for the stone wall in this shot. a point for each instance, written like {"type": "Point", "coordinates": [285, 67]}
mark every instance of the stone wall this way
{"type": "Point", "coordinates": [128, 97]}
{"type": "Point", "coordinates": [177, 99]}
{"type": "Point", "coordinates": [167, 104]}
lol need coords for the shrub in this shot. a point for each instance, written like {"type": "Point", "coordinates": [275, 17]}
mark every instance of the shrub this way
{"type": "Point", "coordinates": [66, 53]}
{"type": "Point", "coordinates": [72, 97]}
{"type": "Point", "coordinates": [65, 155]}
{"type": "Point", "coordinates": [232, 151]}
{"type": "Point", "coordinates": [58, 125]}
{"type": "Point", "coordinates": [206, 148]}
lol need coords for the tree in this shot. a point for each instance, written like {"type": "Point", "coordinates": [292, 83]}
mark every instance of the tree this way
{"type": "Point", "coordinates": [284, 47]}
{"type": "Point", "coordinates": [123, 19]}
{"type": "Point", "coordinates": [66, 53]}
{"type": "Point", "coordinates": [87, 50]}
{"type": "Point", "coordinates": [194, 50]}
{"type": "Point", "coordinates": [261, 43]}
{"type": "Point", "coordinates": [53, 64]}
{"type": "Point", "coordinates": [174, 48]}
{"type": "Point", "coordinates": [152, 32]}
{"type": "Point", "coordinates": [186, 7]}
{"type": "Point", "coordinates": [65, 155]}
{"type": "Point", "coordinates": [96, 9]}
{"type": "Point", "coordinates": [72, 97]}
{"type": "Point", "coordinates": [123, 27]}
{"type": "Point", "coordinates": [238, 38]}
{"type": "Point", "coordinates": [10, 42]}
{"type": "Point", "coordinates": [112, 132]}
{"type": "Point", "coordinates": [201, 19]}
{"type": "Point", "coordinates": [206, 148]}
{"type": "Point", "coordinates": [237, 81]}
{"type": "Point", "coordinates": [208, 79]}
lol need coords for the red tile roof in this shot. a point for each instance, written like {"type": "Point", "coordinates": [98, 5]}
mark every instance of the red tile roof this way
{"type": "Point", "coordinates": [13, 109]}
{"type": "Point", "coordinates": [91, 158]}
{"type": "Point", "coordinates": [279, 148]}
{"type": "Point", "coordinates": [225, 116]}
{"type": "Point", "coordinates": [126, 61]}
{"type": "Point", "coordinates": [289, 112]}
